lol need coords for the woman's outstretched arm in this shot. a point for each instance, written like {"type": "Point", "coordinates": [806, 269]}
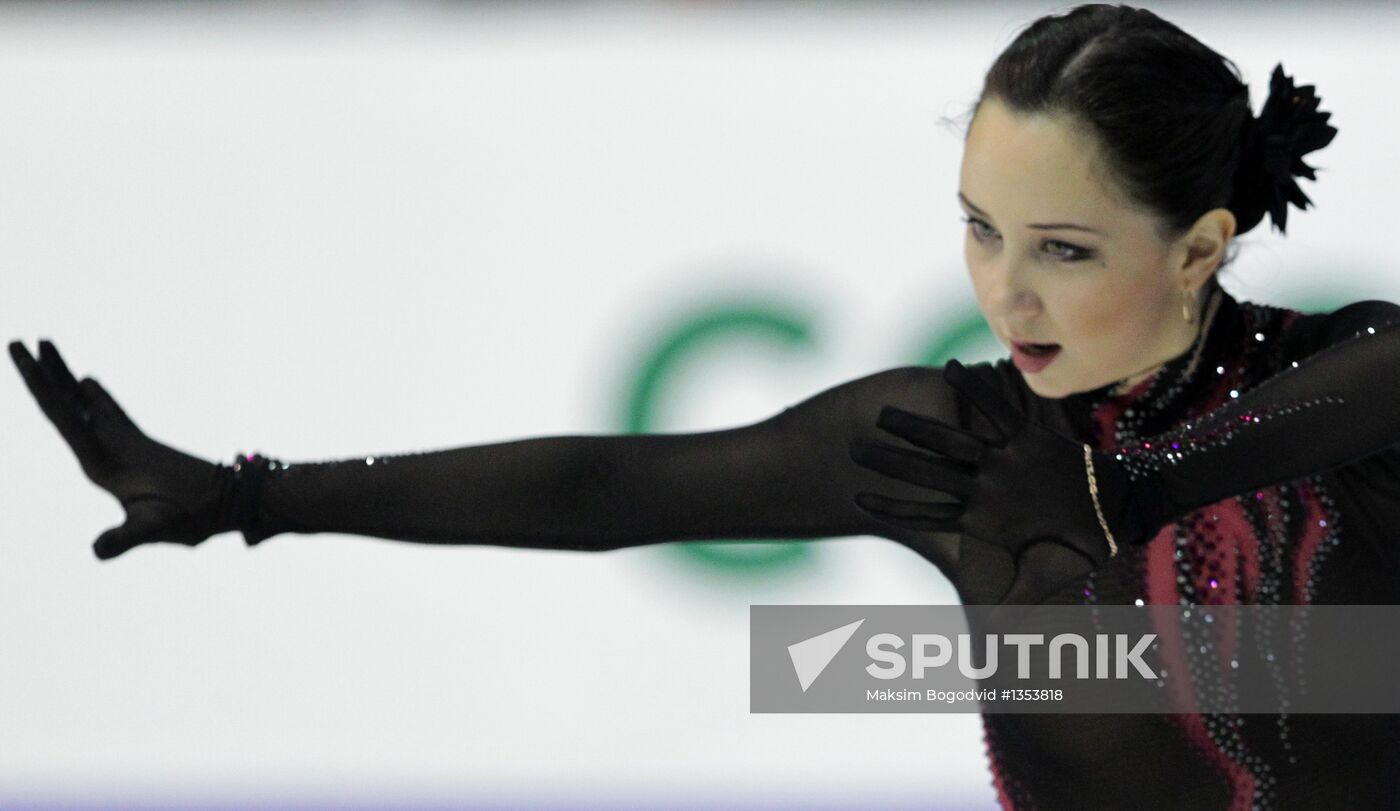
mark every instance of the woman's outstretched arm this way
{"type": "Point", "coordinates": [788, 476]}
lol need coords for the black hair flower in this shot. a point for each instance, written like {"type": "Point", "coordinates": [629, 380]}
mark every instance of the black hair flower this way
{"type": "Point", "coordinates": [1287, 128]}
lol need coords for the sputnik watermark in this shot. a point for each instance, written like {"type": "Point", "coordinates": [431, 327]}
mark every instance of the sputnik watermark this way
{"type": "Point", "coordinates": [1085, 658]}
{"type": "Point", "coordinates": [928, 651]}
{"type": "Point", "coordinates": [890, 663]}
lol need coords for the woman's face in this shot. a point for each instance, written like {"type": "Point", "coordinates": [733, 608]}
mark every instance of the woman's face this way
{"type": "Point", "coordinates": [1058, 257]}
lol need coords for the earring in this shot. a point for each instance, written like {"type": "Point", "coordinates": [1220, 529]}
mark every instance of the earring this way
{"type": "Point", "coordinates": [1186, 306]}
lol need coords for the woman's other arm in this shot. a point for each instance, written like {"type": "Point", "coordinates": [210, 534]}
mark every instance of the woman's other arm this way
{"type": "Point", "coordinates": [1336, 404]}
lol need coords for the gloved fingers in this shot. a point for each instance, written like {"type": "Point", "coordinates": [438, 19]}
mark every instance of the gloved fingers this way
{"type": "Point", "coordinates": [24, 363]}
{"type": "Point", "coordinates": [52, 363]}
{"type": "Point", "coordinates": [113, 542]}
{"type": "Point", "coordinates": [915, 467]}
{"type": "Point", "coordinates": [149, 519]}
{"type": "Point", "coordinates": [102, 403]}
{"type": "Point", "coordinates": [34, 377]}
{"type": "Point", "coordinates": [919, 515]}
{"type": "Point", "coordinates": [931, 433]}
{"type": "Point", "coordinates": [61, 381]}
{"type": "Point", "coordinates": [1003, 416]}
{"type": "Point", "coordinates": [64, 409]}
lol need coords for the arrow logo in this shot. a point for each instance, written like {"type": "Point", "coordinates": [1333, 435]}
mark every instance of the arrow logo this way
{"type": "Point", "coordinates": [811, 656]}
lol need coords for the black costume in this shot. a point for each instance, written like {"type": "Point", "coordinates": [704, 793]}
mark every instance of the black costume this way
{"type": "Point", "coordinates": [1283, 487]}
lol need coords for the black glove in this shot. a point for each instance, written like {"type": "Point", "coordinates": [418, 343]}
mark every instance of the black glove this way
{"type": "Point", "coordinates": [168, 495]}
{"type": "Point", "coordinates": [1025, 485]}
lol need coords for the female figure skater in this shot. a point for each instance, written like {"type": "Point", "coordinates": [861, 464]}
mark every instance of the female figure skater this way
{"type": "Point", "coordinates": [1152, 439]}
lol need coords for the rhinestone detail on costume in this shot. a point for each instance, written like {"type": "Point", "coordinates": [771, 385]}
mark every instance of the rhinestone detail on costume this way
{"type": "Point", "coordinates": [1191, 438]}
{"type": "Point", "coordinates": [1206, 545]}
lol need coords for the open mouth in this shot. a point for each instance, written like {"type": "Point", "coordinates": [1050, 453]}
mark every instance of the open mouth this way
{"type": "Point", "coordinates": [1038, 350]}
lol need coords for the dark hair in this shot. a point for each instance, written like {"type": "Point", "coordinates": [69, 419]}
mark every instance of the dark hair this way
{"type": "Point", "coordinates": [1170, 114]}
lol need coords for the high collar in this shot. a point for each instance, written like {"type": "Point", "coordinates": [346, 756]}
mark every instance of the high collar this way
{"type": "Point", "coordinates": [1160, 400]}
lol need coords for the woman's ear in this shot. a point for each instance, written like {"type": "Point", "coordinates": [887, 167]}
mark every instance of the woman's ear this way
{"type": "Point", "coordinates": [1201, 249]}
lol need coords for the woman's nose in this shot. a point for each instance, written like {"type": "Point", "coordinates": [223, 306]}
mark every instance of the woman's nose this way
{"type": "Point", "coordinates": [1025, 301]}
{"type": "Point", "coordinates": [1012, 296]}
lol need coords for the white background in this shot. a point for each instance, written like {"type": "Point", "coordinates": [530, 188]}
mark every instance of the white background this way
{"type": "Point", "coordinates": [328, 230]}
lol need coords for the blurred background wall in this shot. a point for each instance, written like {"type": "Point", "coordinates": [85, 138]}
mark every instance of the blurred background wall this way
{"type": "Point", "coordinates": [328, 230]}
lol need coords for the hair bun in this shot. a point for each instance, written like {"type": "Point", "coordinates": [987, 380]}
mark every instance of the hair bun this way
{"type": "Point", "coordinates": [1287, 128]}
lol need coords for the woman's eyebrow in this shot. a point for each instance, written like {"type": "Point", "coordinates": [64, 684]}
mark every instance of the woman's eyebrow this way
{"type": "Point", "coordinates": [1041, 225]}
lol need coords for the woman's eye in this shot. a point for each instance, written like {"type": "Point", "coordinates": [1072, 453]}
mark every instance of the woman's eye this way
{"type": "Point", "coordinates": [1061, 251]}
{"type": "Point", "coordinates": [980, 230]}
{"type": "Point", "coordinates": [1068, 252]}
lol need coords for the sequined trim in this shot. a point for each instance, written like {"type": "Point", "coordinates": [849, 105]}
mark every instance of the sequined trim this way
{"type": "Point", "coordinates": [1264, 547]}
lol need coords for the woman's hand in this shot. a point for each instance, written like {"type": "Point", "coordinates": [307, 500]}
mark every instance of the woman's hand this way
{"type": "Point", "coordinates": [168, 495]}
{"type": "Point", "coordinates": [1026, 485]}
